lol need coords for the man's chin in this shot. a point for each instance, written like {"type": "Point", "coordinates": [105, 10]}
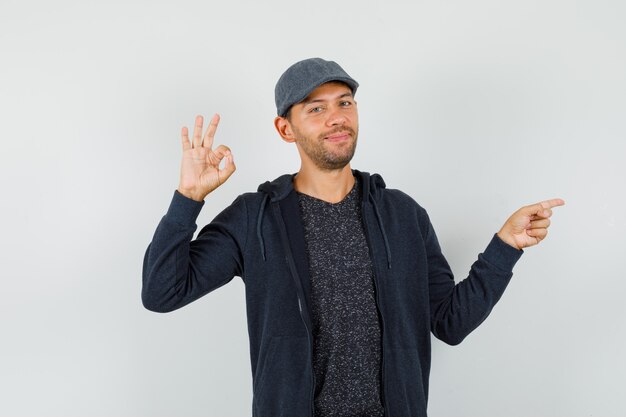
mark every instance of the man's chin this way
{"type": "Point", "coordinates": [335, 164]}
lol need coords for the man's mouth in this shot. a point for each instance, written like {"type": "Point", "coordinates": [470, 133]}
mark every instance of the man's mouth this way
{"type": "Point", "coordinates": [339, 136]}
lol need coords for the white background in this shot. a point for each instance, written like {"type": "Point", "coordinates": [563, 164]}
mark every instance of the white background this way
{"type": "Point", "coordinates": [473, 108]}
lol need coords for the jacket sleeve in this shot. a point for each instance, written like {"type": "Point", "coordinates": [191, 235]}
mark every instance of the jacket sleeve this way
{"type": "Point", "coordinates": [456, 310]}
{"type": "Point", "coordinates": [177, 270]}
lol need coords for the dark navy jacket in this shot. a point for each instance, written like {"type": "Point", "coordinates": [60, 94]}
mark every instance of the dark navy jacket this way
{"type": "Point", "coordinates": [260, 238]}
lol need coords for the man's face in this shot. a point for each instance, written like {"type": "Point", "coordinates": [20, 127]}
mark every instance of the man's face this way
{"type": "Point", "coordinates": [326, 126]}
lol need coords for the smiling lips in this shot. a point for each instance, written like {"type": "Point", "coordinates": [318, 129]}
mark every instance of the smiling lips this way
{"type": "Point", "coordinates": [337, 137]}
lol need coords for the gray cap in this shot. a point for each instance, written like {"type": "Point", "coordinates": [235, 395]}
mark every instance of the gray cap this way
{"type": "Point", "coordinates": [305, 76]}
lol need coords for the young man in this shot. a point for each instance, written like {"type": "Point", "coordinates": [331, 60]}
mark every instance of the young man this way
{"type": "Point", "coordinates": [344, 278]}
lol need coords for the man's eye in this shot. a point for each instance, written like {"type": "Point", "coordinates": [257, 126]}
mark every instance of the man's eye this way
{"type": "Point", "coordinates": [346, 103]}
{"type": "Point", "coordinates": [315, 109]}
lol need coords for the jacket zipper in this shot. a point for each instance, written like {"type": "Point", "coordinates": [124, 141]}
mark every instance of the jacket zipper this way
{"type": "Point", "coordinates": [294, 273]}
{"type": "Point", "coordinates": [310, 359]}
{"type": "Point", "coordinates": [380, 313]}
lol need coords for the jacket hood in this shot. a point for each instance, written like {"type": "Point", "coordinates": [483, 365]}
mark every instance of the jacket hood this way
{"type": "Point", "coordinates": [280, 187]}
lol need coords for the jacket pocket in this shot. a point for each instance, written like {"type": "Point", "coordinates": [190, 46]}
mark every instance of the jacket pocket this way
{"type": "Point", "coordinates": [284, 385]}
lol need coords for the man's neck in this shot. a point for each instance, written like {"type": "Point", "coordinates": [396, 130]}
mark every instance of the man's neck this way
{"type": "Point", "coordinates": [329, 186]}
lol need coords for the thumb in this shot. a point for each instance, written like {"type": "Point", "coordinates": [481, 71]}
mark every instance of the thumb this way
{"type": "Point", "coordinates": [537, 210]}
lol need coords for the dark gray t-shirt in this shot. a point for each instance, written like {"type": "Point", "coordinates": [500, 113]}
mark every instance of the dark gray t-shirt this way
{"type": "Point", "coordinates": [346, 330]}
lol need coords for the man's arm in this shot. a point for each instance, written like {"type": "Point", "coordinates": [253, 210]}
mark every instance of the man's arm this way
{"type": "Point", "coordinates": [177, 270]}
{"type": "Point", "coordinates": [456, 310]}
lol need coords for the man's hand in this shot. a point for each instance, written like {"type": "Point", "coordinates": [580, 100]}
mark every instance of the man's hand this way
{"type": "Point", "coordinates": [529, 225]}
{"type": "Point", "coordinates": [200, 171]}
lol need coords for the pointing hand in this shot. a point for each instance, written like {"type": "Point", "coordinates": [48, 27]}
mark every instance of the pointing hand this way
{"type": "Point", "coordinates": [529, 225]}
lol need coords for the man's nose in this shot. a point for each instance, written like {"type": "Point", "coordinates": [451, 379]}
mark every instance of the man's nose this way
{"type": "Point", "coordinates": [335, 117]}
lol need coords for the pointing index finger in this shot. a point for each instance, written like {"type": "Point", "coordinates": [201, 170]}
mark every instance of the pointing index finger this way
{"type": "Point", "coordinates": [542, 209]}
{"type": "Point", "coordinates": [547, 204]}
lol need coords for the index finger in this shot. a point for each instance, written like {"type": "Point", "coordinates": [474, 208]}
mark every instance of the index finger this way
{"type": "Point", "coordinates": [207, 142]}
{"type": "Point", "coordinates": [555, 202]}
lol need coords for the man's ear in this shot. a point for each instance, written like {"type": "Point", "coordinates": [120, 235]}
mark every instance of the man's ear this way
{"type": "Point", "coordinates": [283, 127]}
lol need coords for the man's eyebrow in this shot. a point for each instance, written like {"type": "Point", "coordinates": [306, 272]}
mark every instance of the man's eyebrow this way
{"type": "Point", "coordinates": [319, 100]}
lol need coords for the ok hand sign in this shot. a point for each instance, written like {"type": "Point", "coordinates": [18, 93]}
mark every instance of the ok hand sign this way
{"type": "Point", "coordinates": [200, 171]}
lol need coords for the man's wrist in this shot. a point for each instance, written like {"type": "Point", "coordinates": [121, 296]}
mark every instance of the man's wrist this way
{"type": "Point", "coordinates": [192, 195]}
{"type": "Point", "coordinates": [508, 239]}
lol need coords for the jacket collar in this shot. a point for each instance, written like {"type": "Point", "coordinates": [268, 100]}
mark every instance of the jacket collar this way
{"type": "Point", "coordinates": [372, 186]}
{"type": "Point", "coordinates": [278, 190]}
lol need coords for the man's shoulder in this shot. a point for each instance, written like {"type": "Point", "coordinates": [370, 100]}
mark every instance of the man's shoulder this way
{"type": "Point", "coordinates": [377, 188]}
{"type": "Point", "coordinates": [398, 194]}
{"type": "Point", "coordinates": [401, 199]}
{"type": "Point", "coordinates": [251, 198]}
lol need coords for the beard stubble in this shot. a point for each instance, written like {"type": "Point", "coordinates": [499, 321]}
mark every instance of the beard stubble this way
{"type": "Point", "coordinates": [322, 156]}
